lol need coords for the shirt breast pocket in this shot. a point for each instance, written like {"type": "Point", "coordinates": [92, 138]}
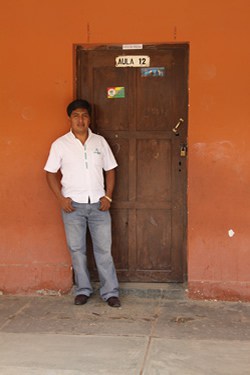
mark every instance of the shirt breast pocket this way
{"type": "Point", "coordinates": [97, 158]}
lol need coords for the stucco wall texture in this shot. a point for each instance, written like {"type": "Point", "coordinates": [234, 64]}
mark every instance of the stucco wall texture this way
{"type": "Point", "coordinates": [37, 82]}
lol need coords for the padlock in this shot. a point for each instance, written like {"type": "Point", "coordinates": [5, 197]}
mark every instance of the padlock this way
{"type": "Point", "coordinates": [183, 152]}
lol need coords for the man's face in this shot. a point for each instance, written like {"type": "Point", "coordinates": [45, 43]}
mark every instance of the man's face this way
{"type": "Point", "coordinates": [79, 121]}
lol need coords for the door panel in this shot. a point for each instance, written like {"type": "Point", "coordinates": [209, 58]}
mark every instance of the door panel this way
{"type": "Point", "coordinates": [154, 237]}
{"type": "Point", "coordinates": [120, 242]}
{"type": "Point", "coordinates": [153, 158]}
{"type": "Point", "coordinates": [102, 79]}
{"type": "Point", "coordinates": [120, 149]}
{"type": "Point", "coordinates": [149, 202]}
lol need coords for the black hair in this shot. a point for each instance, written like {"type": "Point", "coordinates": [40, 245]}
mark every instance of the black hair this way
{"type": "Point", "coordinates": [78, 103]}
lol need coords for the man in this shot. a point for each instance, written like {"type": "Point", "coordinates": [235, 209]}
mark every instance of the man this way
{"type": "Point", "coordinates": [82, 156]}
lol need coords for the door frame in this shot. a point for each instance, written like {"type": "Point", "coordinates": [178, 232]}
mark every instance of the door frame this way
{"type": "Point", "coordinates": [118, 47]}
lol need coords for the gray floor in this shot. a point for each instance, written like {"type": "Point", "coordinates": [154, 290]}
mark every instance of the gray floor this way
{"type": "Point", "coordinates": [158, 330]}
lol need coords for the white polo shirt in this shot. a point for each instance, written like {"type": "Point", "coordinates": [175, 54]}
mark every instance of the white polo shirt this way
{"type": "Point", "coordinates": [81, 165]}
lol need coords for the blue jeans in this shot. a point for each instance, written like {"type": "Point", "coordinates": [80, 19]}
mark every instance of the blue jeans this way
{"type": "Point", "coordinates": [99, 224]}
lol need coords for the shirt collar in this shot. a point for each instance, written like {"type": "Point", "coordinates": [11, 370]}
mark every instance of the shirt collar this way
{"type": "Point", "coordinates": [72, 135]}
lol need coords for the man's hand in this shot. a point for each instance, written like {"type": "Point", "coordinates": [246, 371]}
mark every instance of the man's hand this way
{"type": "Point", "coordinates": [53, 180]}
{"type": "Point", "coordinates": [104, 204]}
{"type": "Point", "coordinates": [66, 205]}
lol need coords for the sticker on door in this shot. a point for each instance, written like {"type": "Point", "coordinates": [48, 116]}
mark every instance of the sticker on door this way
{"type": "Point", "coordinates": [153, 72]}
{"type": "Point", "coordinates": [115, 92]}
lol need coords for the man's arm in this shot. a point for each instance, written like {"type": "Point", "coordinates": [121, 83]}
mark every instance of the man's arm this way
{"type": "Point", "coordinates": [55, 186]}
{"type": "Point", "coordinates": [110, 185]}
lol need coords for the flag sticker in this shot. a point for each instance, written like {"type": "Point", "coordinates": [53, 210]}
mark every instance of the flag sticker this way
{"type": "Point", "coordinates": [115, 92]}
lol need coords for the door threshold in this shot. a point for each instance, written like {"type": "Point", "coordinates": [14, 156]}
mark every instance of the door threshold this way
{"type": "Point", "coordinates": [152, 290]}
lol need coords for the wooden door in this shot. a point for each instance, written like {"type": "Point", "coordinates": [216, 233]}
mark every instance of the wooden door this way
{"type": "Point", "coordinates": [136, 109]}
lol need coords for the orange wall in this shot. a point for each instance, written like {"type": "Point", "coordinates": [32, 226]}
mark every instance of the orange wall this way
{"type": "Point", "coordinates": [36, 70]}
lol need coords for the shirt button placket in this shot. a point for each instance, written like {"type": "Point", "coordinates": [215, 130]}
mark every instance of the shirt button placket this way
{"type": "Point", "coordinates": [86, 157]}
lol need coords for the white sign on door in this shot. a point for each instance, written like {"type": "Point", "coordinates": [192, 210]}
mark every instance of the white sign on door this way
{"type": "Point", "coordinates": [132, 61]}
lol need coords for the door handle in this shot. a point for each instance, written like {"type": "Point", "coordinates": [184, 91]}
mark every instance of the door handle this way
{"type": "Point", "coordinates": [175, 129]}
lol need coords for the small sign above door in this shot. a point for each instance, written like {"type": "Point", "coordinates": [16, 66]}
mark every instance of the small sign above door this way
{"type": "Point", "coordinates": [132, 46]}
{"type": "Point", "coordinates": [132, 61]}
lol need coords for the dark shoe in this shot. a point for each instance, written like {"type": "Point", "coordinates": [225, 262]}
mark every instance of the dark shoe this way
{"type": "Point", "coordinates": [114, 302]}
{"type": "Point", "coordinates": [81, 299]}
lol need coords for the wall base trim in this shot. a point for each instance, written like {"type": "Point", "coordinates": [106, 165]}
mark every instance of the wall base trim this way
{"type": "Point", "coordinates": [38, 279]}
{"type": "Point", "coordinates": [223, 291]}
